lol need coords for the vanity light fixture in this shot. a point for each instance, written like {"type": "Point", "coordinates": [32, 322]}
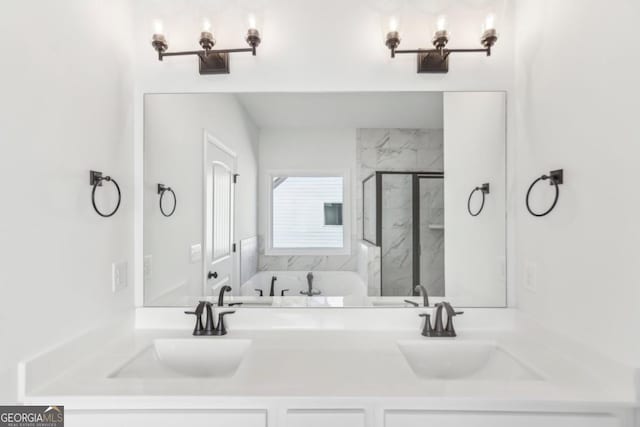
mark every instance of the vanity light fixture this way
{"type": "Point", "coordinates": [437, 60]}
{"type": "Point", "coordinates": [210, 61]}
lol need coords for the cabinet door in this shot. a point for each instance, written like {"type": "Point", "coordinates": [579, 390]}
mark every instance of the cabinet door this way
{"type": "Point", "coordinates": [166, 418]}
{"type": "Point", "coordinates": [496, 419]}
{"type": "Point", "coordinates": [326, 418]}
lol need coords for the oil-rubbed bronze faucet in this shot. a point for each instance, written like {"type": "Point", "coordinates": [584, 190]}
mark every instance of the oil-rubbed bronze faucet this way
{"type": "Point", "coordinates": [209, 329]}
{"type": "Point", "coordinates": [440, 330]}
{"type": "Point", "coordinates": [310, 292]}
{"type": "Point", "coordinates": [425, 296]}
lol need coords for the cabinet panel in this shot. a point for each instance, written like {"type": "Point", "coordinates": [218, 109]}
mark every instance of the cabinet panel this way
{"type": "Point", "coordinates": [495, 419]}
{"type": "Point", "coordinates": [326, 418]}
{"type": "Point", "coordinates": [166, 419]}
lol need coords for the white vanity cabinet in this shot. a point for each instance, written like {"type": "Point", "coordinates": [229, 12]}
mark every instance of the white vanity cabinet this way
{"type": "Point", "coordinates": [166, 418]}
{"type": "Point", "coordinates": [498, 419]}
{"type": "Point", "coordinates": [371, 416]}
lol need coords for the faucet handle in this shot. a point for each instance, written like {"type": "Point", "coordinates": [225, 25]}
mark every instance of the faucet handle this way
{"type": "Point", "coordinates": [259, 291]}
{"type": "Point", "coordinates": [220, 328]}
{"type": "Point", "coordinates": [427, 330]}
{"type": "Point", "coordinates": [199, 328]}
{"type": "Point", "coordinates": [283, 291]}
{"type": "Point", "coordinates": [450, 310]}
{"type": "Point", "coordinates": [199, 309]}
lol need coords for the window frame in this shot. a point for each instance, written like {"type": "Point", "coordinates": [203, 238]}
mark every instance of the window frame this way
{"type": "Point", "coordinates": [346, 213]}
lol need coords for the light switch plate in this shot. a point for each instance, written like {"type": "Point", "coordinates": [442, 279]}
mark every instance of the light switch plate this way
{"type": "Point", "coordinates": [118, 276]}
{"type": "Point", "coordinates": [531, 277]}
{"type": "Point", "coordinates": [195, 254]}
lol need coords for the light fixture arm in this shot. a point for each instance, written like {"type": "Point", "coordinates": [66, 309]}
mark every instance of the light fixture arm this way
{"type": "Point", "coordinates": [444, 52]}
{"type": "Point", "coordinates": [436, 60]}
{"type": "Point", "coordinates": [204, 53]}
{"type": "Point", "coordinates": [211, 61]}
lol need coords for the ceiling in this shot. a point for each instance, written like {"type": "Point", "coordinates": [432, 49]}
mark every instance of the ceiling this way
{"type": "Point", "coordinates": [345, 110]}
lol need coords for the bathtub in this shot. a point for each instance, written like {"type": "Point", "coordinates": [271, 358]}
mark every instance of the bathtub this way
{"type": "Point", "coordinates": [329, 283]}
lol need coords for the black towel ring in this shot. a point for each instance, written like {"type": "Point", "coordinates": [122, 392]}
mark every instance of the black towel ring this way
{"type": "Point", "coordinates": [555, 178]}
{"type": "Point", "coordinates": [162, 189]}
{"type": "Point", "coordinates": [484, 189]}
{"type": "Point", "coordinates": [95, 180]}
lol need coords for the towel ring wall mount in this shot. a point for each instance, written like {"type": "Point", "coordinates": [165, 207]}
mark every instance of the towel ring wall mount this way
{"type": "Point", "coordinates": [484, 189]}
{"type": "Point", "coordinates": [555, 178]}
{"type": "Point", "coordinates": [162, 189]}
{"type": "Point", "coordinates": [95, 180]}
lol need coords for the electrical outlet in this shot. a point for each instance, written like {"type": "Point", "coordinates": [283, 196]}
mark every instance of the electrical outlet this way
{"type": "Point", "coordinates": [118, 276]}
{"type": "Point", "coordinates": [531, 277]}
{"type": "Point", "coordinates": [148, 266]}
{"type": "Point", "coordinates": [195, 255]}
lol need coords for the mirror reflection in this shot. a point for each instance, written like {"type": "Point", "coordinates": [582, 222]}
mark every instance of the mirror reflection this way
{"type": "Point", "coordinates": [325, 200]}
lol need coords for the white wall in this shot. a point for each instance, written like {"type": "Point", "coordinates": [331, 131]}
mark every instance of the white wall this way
{"type": "Point", "coordinates": [66, 108]}
{"type": "Point", "coordinates": [578, 101]}
{"type": "Point", "coordinates": [474, 154]}
{"type": "Point", "coordinates": [311, 150]}
{"type": "Point", "coordinates": [174, 127]}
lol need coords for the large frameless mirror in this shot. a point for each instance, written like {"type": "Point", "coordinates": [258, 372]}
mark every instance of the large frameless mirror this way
{"type": "Point", "coordinates": [325, 199]}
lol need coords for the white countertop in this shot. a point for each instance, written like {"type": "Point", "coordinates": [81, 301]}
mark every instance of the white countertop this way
{"type": "Point", "coordinates": [330, 363]}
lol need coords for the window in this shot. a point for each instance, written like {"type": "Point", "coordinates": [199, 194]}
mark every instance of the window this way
{"type": "Point", "coordinates": [333, 214]}
{"type": "Point", "coordinates": [307, 214]}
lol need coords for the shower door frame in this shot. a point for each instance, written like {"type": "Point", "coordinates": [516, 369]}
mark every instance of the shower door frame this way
{"type": "Point", "coordinates": [416, 176]}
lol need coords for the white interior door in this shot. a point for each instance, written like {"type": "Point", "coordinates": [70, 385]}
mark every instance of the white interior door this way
{"type": "Point", "coordinates": [219, 173]}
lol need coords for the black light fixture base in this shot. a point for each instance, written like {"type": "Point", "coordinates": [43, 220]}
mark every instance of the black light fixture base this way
{"type": "Point", "coordinates": [433, 62]}
{"type": "Point", "coordinates": [214, 63]}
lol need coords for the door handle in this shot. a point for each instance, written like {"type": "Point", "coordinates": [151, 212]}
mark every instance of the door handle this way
{"type": "Point", "coordinates": [214, 275]}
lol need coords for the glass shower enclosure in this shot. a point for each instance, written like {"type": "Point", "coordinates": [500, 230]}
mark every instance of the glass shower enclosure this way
{"type": "Point", "coordinates": [403, 214]}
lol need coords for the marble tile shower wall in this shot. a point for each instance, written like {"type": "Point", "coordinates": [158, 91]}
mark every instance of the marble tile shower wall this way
{"type": "Point", "coordinates": [369, 267]}
{"type": "Point", "coordinates": [432, 236]}
{"type": "Point", "coordinates": [414, 150]}
{"type": "Point", "coordinates": [307, 262]}
{"type": "Point", "coordinates": [397, 150]}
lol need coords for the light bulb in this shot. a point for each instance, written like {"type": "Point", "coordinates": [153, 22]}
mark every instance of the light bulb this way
{"type": "Point", "coordinates": [158, 27]}
{"type": "Point", "coordinates": [206, 25]}
{"type": "Point", "coordinates": [441, 24]}
{"type": "Point", "coordinates": [490, 22]}
{"type": "Point", "coordinates": [489, 33]}
{"type": "Point", "coordinates": [252, 21]}
{"type": "Point", "coordinates": [159, 41]}
{"type": "Point", "coordinates": [393, 24]}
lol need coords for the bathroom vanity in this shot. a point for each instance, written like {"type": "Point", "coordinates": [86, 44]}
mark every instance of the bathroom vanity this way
{"type": "Point", "coordinates": [356, 367]}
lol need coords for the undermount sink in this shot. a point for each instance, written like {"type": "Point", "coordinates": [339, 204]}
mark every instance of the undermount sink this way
{"type": "Point", "coordinates": [463, 360]}
{"type": "Point", "coordinates": [190, 357]}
